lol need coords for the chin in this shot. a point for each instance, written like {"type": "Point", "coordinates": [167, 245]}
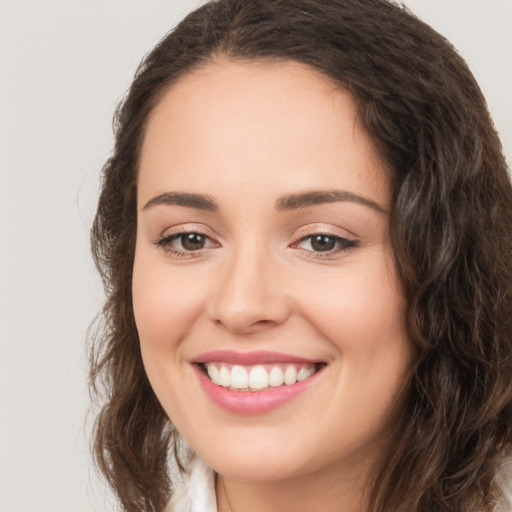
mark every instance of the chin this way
{"type": "Point", "coordinates": [244, 469]}
{"type": "Point", "coordinates": [253, 461]}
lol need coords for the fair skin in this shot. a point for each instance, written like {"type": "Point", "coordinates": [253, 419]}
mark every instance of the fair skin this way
{"type": "Point", "coordinates": [236, 266]}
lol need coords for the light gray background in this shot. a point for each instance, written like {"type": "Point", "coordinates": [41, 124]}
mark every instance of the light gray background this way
{"type": "Point", "coordinates": [64, 65]}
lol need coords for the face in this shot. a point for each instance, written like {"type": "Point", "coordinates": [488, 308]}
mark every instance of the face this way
{"type": "Point", "coordinates": [269, 310]}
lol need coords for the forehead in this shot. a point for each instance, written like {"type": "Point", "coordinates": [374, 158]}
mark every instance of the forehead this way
{"type": "Point", "coordinates": [232, 123]}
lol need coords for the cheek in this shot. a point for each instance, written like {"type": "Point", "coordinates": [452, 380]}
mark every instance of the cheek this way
{"type": "Point", "coordinates": [359, 308]}
{"type": "Point", "coordinates": [165, 304]}
{"type": "Point", "coordinates": [362, 314]}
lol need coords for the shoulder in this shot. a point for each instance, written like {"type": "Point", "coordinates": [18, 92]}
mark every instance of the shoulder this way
{"type": "Point", "coordinates": [505, 482]}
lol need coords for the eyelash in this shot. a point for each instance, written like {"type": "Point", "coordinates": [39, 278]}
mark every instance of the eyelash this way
{"type": "Point", "coordinates": [342, 244]}
{"type": "Point", "coordinates": [165, 243]}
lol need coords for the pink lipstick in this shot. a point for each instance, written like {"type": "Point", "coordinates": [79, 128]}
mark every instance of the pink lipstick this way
{"type": "Point", "coordinates": [254, 382]}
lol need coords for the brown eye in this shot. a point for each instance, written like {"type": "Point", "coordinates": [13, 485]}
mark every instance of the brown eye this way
{"type": "Point", "coordinates": [192, 241]}
{"type": "Point", "coordinates": [321, 243]}
{"type": "Point", "coordinates": [325, 243]}
{"type": "Point", "coordinates": [185, 243]}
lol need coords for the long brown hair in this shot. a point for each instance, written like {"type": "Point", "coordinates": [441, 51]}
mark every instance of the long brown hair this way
{"type": "Point", "coordinates": [451, 228]}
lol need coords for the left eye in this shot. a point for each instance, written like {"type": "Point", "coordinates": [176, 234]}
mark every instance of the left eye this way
{"type": "Point", "coordinates": [325, 243]}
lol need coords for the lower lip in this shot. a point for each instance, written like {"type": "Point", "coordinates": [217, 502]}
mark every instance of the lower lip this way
{"type": "Point", "coordinates": [252, 402]}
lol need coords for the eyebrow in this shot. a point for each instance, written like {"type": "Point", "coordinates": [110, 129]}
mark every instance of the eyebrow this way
{"type": "Point", "coordinates": [317, 197]}
{"type": "Point", "coordinates": [288, 202]}
{"type": "Point", "coordinates": [198, 201]}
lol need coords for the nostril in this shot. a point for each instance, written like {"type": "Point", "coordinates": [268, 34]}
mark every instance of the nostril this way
{"type": "Point", "coordinates": [244, 324]}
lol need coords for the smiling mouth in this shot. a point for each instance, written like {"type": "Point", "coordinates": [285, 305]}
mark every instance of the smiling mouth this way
{"type": "Point", "coordinates": [259, 377]}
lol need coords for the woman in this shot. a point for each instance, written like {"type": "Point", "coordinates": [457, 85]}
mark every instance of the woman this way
{"type": "Point", "coordinates": [304, 234]}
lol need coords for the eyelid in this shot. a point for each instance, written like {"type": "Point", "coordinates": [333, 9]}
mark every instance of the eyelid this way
{"type": "Point", "coordinates": [187, 228]}
{"type": "Point", "coordinates": [345, 243]}
{"type": "Point", "coordinates": [164, 240]}
{"type": "Point", "coordinates": [322, 229]}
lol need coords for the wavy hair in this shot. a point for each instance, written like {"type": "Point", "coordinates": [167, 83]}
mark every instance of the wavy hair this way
{"type": "Point", "coordinates": [451, 229]}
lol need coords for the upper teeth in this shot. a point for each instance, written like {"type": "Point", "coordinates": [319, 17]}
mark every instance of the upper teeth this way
{"type": "Point", "coordinates": [257, 377]}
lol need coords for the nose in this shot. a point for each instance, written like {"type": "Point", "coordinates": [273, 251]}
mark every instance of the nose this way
{"type": "Point", "coordinates": [250, 295]}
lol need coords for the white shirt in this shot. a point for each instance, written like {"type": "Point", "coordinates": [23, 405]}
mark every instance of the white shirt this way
{"type": "Point", "coordinates": [194, 490]}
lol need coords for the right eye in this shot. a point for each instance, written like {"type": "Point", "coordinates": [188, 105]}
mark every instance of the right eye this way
{"type": "Point", "coordinates": [190, 241]}
{"type": "Point", "coordinates": [185, 244]}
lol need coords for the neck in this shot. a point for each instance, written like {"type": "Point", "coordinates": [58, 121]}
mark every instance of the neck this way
{"type": "Point", "coordinates": [330, 490]}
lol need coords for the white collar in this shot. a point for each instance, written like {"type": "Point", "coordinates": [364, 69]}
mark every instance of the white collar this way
{"type": "Point", "coordinates": [194, 489]}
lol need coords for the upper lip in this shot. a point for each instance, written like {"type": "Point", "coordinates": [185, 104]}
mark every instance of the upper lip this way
{"type": "Point", "coordinates": [250, 358]}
